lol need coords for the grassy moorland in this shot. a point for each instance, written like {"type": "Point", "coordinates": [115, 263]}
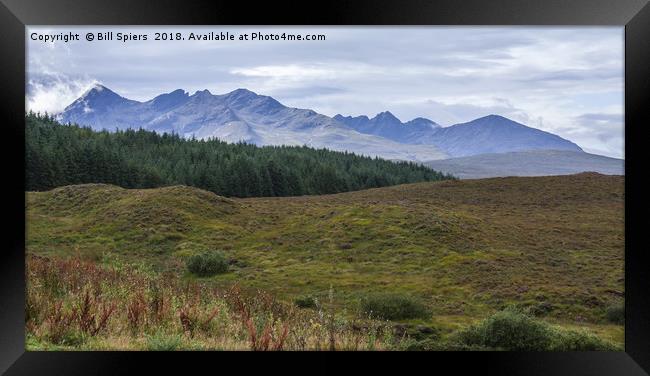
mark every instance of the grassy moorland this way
{"type": "Point", "coordinates": [544, 254]}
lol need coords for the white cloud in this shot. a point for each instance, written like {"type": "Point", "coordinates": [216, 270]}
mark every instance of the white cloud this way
{"type": "Point", "coordinates": [53, 92]}
{"type": "Point", "coordinates": [292, 71]}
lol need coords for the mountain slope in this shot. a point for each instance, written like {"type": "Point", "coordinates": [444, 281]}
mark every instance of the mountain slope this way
{"type": "Point", "coordinates": [528, 163]}
{"type": "Point", "coordinates": [240, 115]}
{"type": "Point", "coordinates": [101, 108]}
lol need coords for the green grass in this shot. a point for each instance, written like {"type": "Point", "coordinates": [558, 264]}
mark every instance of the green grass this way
{"type": "Point", "coordinates": [465, 249]}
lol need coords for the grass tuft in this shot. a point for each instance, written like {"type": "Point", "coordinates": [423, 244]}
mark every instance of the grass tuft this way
{"type": "Point", "coordinates": [393, 307]}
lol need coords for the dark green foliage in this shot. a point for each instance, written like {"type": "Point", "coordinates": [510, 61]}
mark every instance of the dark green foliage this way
{"type": "Point", "coordinates": [305, 302]}
{"type": "Point", "coordinates": [393, 307]}
{"type": "Point", "coordinates": [206, 264]}
{"type": "Point", "coordinates": [509, 330]}
{"type": "Point", "coordinates": [512, 330]}
{"type": "Point", "coordinates": [58, 155]}
{"type": "Point", "coordinates": [574, 340]}
{"type": "Point", "coordinates": [616, 313]}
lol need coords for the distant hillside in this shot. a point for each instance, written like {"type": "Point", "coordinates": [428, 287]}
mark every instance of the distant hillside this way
{"type": "Point", "coordinates": [58, 155]}
{"type": "Point", "coordinates": [528, 163]}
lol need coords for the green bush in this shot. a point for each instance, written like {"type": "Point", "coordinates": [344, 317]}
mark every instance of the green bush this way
{"type": "Point", "coordinates": [509, 330]}
{"type": "Point", "coordinates": [512, 330]}
{"type": "Point", "coordinates": [305, 302]}
{"type": "Point", "coordinates": [573, 340]}
{"type": "Point", "coordinates": [616, 313]}
{"type": "Point", "coordinates": [207, 263]}
{"type": "Point", "coordinates": [393, 307]}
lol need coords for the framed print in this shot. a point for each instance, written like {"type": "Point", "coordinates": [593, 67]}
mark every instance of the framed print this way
{"type": "Point", "coordinates": [459, 183]}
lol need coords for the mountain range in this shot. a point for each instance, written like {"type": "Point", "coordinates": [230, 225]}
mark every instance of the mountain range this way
{"type": "Point", "coordinates": [489, 134]}
{"type": "Point", "coordinates": [240, 115]}
{"type": "Point", "coordinates": [244, 116]}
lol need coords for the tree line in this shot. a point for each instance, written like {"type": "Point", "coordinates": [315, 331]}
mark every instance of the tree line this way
{"type": "Point", "coordinates": [59, 154]}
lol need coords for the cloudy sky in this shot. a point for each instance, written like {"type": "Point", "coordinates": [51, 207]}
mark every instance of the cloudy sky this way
{"type": "Point", "coordinates": [568, 81]}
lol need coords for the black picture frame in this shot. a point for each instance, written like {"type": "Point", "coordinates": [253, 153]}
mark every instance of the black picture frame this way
{"type": "Point", "coordinates": [633, 14]}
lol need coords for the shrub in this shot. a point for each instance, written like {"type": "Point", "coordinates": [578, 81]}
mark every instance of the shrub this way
{"type": "Point", "coordinates": [393, 307]}
{"type": "Point", "coordinates": [206, 264]}
{"type": "Point", "coordinates": [573, 340]}
{"type": "Point", "coordinates": [509, 330]}
{"type": "Point", "coordinates": [513, 330]}
{"type": "Point", "coordinates": [305, 302]}
{"type": "Point", "coordinates": [616, 313]}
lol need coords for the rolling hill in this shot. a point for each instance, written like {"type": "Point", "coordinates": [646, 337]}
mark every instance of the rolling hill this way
{"type": "Point", "coordinates": [465, 248]}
